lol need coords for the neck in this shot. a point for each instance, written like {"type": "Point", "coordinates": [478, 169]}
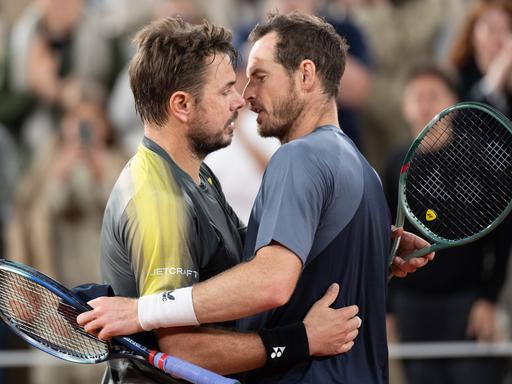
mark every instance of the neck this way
{"type": "Point", "coordinates": [315, 114]}
{"type": "Point", "coordinates": [175, 143]}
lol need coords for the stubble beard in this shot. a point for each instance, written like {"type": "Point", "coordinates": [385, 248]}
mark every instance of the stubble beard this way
{"type": "Point", "coordinates": [201, 141]}
{"type": "Point", "coordinates": [285, 113]}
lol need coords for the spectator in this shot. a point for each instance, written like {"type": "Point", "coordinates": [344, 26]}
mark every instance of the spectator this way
{"type": "Point", "coordinates": [60, 201]}
{"type": "Point", "coordinates": [401, 34]}
{"type": "Point", "coordinates": [482, 54]}
{"type": "Point", "coordinates": [55, 45]}
{"type": "Point", "coordinates": [8, 178]}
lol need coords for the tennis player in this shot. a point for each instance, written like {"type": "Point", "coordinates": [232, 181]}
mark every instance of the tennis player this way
{"type": "Point", "coordinates": [320, 217]}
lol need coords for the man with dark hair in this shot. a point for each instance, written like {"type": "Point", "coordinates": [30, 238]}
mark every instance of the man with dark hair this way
{"type": "Point", "coordinates": [320, 217]}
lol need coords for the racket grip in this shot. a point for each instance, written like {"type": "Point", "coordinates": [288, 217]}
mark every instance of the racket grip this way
{"type": "Point", "coordinates": [187, 371]}
{"type": "Point", "coordinates": [394, 248]}
{"type": "Point", "coordinates": [420, 252]}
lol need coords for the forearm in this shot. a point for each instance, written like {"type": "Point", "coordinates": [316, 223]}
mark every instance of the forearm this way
{"type": "Point", "coordinates": [264, 283]}
{"type": "Point", "coordinates": [219, 350]}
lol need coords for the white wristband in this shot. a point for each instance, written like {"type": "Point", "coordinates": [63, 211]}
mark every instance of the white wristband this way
{"type": "Point", "coordinates": [167, 309]}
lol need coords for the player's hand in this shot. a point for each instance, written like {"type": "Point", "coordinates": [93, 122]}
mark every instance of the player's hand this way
{"type": "Point", "coordinates": [331, 331]}
{"type": "Point", "coordinates": [409, 243]}
{"type": "Point", "coordinates": [111, 316]}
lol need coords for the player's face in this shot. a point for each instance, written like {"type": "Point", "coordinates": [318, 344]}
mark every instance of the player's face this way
{"type": "Point", "coordinates": [212, 125]}
{"type": "Point", "coordinates": [271, 91]}
{"type": "Point", "coordinates": [424, 98]}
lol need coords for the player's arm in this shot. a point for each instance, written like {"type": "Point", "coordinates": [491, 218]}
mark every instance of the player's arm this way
{"type": "Point", "coordinates": [265, 282]}
{"type": "Point", "coordinates": [325, 331]}
{"type": "Point", "coordinates": [329, 331]}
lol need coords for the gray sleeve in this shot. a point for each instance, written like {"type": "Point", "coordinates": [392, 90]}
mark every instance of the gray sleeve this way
{"type": "Point", "coordinates": [293, 191]}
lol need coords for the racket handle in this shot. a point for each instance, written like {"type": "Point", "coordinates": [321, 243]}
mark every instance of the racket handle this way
{"type": "Point", "coordinates": [185, 370]}
{"type": "Point", "coordinates": [420, 252]}
{"type": "Point", "coordinates": [394, 248]}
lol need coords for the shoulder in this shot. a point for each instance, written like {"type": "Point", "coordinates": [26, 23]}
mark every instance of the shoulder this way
{"type": "Point", "coordinates": [325, 153]}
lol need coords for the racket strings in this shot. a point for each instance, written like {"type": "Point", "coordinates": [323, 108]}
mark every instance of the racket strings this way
{"type": "Point", "coordinates": [427, 178]}
{"type": "Point", "coordinates": [472, 187]}
{"type": "Point", "coordinates": [39, 313]}
{"type": "Point", "coordinates": [462, 172]}
{"type": "Point", "coordinates": [466, 198]}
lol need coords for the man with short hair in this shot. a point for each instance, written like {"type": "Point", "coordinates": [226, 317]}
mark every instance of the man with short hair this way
{"type": "Point", "coordinates": [320, 217]}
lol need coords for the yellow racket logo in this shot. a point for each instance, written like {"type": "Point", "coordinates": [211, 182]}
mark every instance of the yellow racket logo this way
{"type": "Point", "coordinates": [431, 215]}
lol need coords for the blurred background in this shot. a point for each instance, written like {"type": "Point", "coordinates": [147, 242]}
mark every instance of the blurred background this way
{"type": "Point", "coordinates": [68, 125]}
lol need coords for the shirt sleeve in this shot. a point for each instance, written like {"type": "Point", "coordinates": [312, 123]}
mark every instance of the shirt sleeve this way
{"type": "Point", "coordinates": [293, 193]}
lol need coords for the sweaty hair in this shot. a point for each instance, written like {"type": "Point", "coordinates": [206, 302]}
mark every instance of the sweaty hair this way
{"type": "Point", "coordinates": [302, 36]}
{"type": "Point", "coordinates": [173, 55]}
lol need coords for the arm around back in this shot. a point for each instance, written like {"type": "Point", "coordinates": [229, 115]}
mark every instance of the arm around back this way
{"type": "Point", "coordinates": [265, 282]}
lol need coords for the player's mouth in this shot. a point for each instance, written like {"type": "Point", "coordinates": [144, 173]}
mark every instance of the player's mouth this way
{"type": "Point", "coordinates": [259, 111]}
{"type": "Point", "coordinates": [230, 125]}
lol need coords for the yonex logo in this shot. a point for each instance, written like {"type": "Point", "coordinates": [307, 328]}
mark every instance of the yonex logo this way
{"type": "Point", "coordinates": [278, 352]}
{"type": "Point", "coordinates": [167, 296]}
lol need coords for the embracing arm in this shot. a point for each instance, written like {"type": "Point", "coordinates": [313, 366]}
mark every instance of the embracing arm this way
{"type": "Point", "coordinates": [215, 349]}
{"type": "Point", "coordinates": [329, 331]}
{"type": "Point", "coordinates": [265, 282]}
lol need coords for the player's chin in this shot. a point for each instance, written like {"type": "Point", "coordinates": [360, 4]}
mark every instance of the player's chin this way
{"type": "Point", "coordinates": [227, 138]}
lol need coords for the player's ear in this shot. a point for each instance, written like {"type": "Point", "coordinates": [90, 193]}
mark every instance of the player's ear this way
{"type": "Point", "coordinates": [307, 73]}
{"type": "Point", "coordinates": [181, 105]}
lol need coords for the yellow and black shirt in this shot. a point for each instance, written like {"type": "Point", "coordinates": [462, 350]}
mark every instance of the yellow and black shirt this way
{"type": "Point", "coordinates": [162, 231]}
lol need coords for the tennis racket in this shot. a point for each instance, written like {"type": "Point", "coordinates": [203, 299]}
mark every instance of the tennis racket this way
{"type": "Point", "coordinates": [43, 313]}
{"type": "Point", "coordinates": [455, 183]}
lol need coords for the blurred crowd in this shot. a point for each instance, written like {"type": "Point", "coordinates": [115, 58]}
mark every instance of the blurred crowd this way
{"type": "Point", "coordinates": [68, 126]}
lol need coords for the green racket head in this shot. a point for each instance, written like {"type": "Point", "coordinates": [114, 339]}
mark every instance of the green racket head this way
{"type": "Point", "coordinates": [456, 179]}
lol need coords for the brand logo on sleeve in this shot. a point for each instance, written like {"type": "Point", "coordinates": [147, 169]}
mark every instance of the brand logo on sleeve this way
{"type": "Point", "coordinates": [278, 352]}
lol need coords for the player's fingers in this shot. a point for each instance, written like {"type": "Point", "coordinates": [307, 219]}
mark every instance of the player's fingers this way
{"type": "Point", "coordinates": [348, 312]}
{"type": "Point", "coordinates": [396, 270]}
{"type": "Point", "coordinates": [330, 295]}
{"type": "Point", "coordinates": [85, 317]}
{"type": "Point", "coordinates": [104, 334]}
{"type": "Point", "coordinates": [353, 323]}
{"type": "Point", "coordinates": [351, 335]}
{"type": "Point", "coordinates": [93, 327]}
{"type": "Point", "coordinates": [418, 262]}
{"type": "Point", "coordinates": [345, 347]}
{"type": "Point", "coordinates": [396, 232]}
{"type": "Point", "coordinates": [97, 301]}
